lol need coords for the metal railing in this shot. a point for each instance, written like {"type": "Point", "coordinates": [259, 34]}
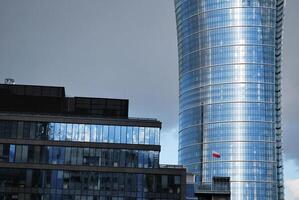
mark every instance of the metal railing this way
{"type": "Point", "coordinates": [223, 188]}
{"type": "Point", "coordinates": [172, 166]}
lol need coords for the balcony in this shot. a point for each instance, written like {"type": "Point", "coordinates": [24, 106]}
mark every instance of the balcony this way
{"type": "Point", "coordinates": [220, 187]}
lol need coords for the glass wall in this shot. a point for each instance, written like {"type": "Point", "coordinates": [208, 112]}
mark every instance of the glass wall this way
{"type": "Point", "coordinates": [72, 185]}
{"type": "Point", "coordinates": [228, 93]}
{"type": "Point", "coordinates": [79, 132]}
{"type": "Point", "coordinates": [78, 156]}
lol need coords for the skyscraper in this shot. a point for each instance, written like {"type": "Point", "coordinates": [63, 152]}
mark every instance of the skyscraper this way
{"type": "Point", "coordinates": [230, 90]}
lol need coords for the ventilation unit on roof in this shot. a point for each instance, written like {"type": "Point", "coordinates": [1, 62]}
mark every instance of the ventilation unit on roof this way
{"type": "Point", "coordinates": [9, 81]}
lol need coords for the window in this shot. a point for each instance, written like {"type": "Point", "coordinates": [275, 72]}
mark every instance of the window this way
{"type": "Point", "coordinates": [87, 133]}
{"type": "Point", "coordinates": [123, 134]}
{"type": "Point", "coordinates": [135, 135]}
{"type": "Point", "coordinates": [81, 132]}
{"type": "Point", "coordinates": [129, 135]}
{"type": "Point", "coordinates": [99, 134]}
{"type": "Point", "coordinates": [105, 133]}
{"type": "Point", "coordinates": [93, 133]}
{"type": "Point", "coordinates": [12, 151]}
{"type": "Point", "coordinates": [62, 132]}
{"type": "Point", "coordinates": [69, 131]}
{"type": "Point", "coordinates": [117, 134]}
{"type": "Point", "coordinates": [57, 131]}
{"type": "Point", "coordinates": [111, 134]}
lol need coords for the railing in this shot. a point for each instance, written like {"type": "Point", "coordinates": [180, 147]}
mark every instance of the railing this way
{"type": "Point", "coordinates": [213, 188]}
{"type": "Point", "coordinates": [141, 118]}
{"type": "Point", "coordinates": [172, 166]}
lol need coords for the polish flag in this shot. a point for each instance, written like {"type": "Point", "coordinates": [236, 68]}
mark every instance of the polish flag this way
{"type": "Point", "coordinates": [216, 154]}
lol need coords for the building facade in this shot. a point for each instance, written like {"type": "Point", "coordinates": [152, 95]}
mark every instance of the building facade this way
{"type": "Point", "coordinates": [58, 148]}
{"type": "Point", "coordinates": [230, 90]}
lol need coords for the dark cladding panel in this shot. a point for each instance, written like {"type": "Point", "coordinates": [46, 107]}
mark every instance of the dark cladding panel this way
{"type": "Point", "coordinates": [50, 100]}
{"type": "Point", "coordinates": [32, 90]}
{"type": "Point", "coordinates": [101, 107]}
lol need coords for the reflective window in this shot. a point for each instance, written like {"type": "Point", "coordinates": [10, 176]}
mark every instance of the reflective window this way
{"type": "Point", "coordinates": [79, 132]}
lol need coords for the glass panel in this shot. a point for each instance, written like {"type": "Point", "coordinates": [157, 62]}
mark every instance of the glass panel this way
{"type": "Point", "coordinates": [87, 133]}
{"type": "Point", "coordinates": [63, 132]}
{"type": "Point", "coordinates": [76, 136]}
{"type": "Point", "coordinates": [81, 132]}
{"type": "Point", "coordinates": [86, 156]}
{"type": "Point", "coordinates": [93, 133]}
{"type": "Point", "coordinates": [61, 155]}
{"type": "Point", "coordinates": [26, 130]}
{"type": "Point", "coordinates": [12, 151]}
{"type": "Point", "coordinates": [117, 134]}
{"type": "Point", "coordinates": [122, 158]}
{"type": "Point", "coordinates": [140, 159]}
{"type": "Point", "coordinates": [145, 157]}
{"type": "Point", "coordinates": [18, 153]}
{"type": "Point", "coordinates": [99, 133]}
{"type": "Point", "coordinates": [68, 155]}
{"type": "Point", "coordinates": [135, 135]}
{"type": "Point", "coordinates": [111, 134]}
{"type": "Point", "coordinates": [123, 134]}
{"type": "Point", "coordinates": [152, 136]}
{"type": "Point", "coordinates": [73, 156]}
{"type": "Point", "coordinates": [105, 133]}
{"type": "Point", "coordinates": [141, 135]}
{"type": "Point", "coordinates": [79, 156]}
{"type": "Point", "coordinates": [69, 131]}
{"type": "Point", "coordinates": [53, 155]}
{"type": "Point", "coordinates": [56, 131]}
{"type": "Point", "coordinates": [150, 159]}
{"type": "Point", "coordinates": [129, 135]}
{"type": "Point", "coordinates": [21, 130]}
{"type": "Point", "coordinates": [32, 130]}
{"type": "Point", "coordinates": [147, 136]}
{"type": "Point", "coordinates": [157, 136]}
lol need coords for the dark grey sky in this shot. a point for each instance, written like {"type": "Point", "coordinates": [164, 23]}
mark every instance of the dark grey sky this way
{"type": "Point", "coordinates": [121, 49]}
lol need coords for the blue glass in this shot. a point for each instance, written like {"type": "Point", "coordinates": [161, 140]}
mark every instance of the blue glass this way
{"type": "Point", "coordinates": [111, 134]}
{"type": "Point", "coordinates": [135, 135]}
{"type": "Point", "coordinates": [12, 150]}
{"type": "Point", "coordinates": [129, 135]}
{"type": "Point", "coordinates": [229, 93]}
{"type": "Point", "coordinates": [117, 134]}
{"type": "Point", "coordinates": [62, 132]}
{"type": "Point", "coordinates": [69, 132]}
{"type": "Point", "coordinates": [87, 133]}
{"type": "Point", "coordinates": [105, 133]}
{"type": "Point", "coordinates": [147, 136]}
{"type": "Point", "coordinates": [152, 136]}
{"type": "Point", "coordinates": [99, 133]}
{"type": "Point", "coordinates": [123, 134]}
{"type": "Point", "coordinates": [57, 131]}
{"type": "Point", "coordinates": [75, 134]}
{"type": "Point", "coordinates": [141, 135]}
{"type": "Point", "coordinates": [93, 133]}
{"type": "Point", "coordinates": [81, 132]}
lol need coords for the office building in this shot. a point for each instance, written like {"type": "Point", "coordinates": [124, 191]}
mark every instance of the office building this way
{"type": "Point", "coordinates": [230, 94]}
{"type": "Point", "coordinates": [54, 147]}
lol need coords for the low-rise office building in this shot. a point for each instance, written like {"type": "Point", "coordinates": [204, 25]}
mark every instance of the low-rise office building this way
{"type": "Point", "coordinates": [57, 147]}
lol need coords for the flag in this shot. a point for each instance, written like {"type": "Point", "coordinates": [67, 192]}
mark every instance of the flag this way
{"type": "Point", "coordinates": [216, 154]}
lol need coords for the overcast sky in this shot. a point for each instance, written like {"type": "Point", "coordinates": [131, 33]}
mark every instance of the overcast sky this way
{"type": "Point", "coordinates": [124, 49]}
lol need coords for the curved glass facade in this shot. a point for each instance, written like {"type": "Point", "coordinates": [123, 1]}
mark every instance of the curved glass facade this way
{"type": "Point", "coordinates": [229, 83]}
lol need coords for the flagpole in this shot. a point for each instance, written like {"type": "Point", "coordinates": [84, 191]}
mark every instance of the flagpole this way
{"type": "Point", "coordinates": [213, 172]}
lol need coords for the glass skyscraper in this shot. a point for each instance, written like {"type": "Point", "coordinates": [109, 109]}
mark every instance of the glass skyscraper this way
{"type": "Point", "coordinates": [230, 90]}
